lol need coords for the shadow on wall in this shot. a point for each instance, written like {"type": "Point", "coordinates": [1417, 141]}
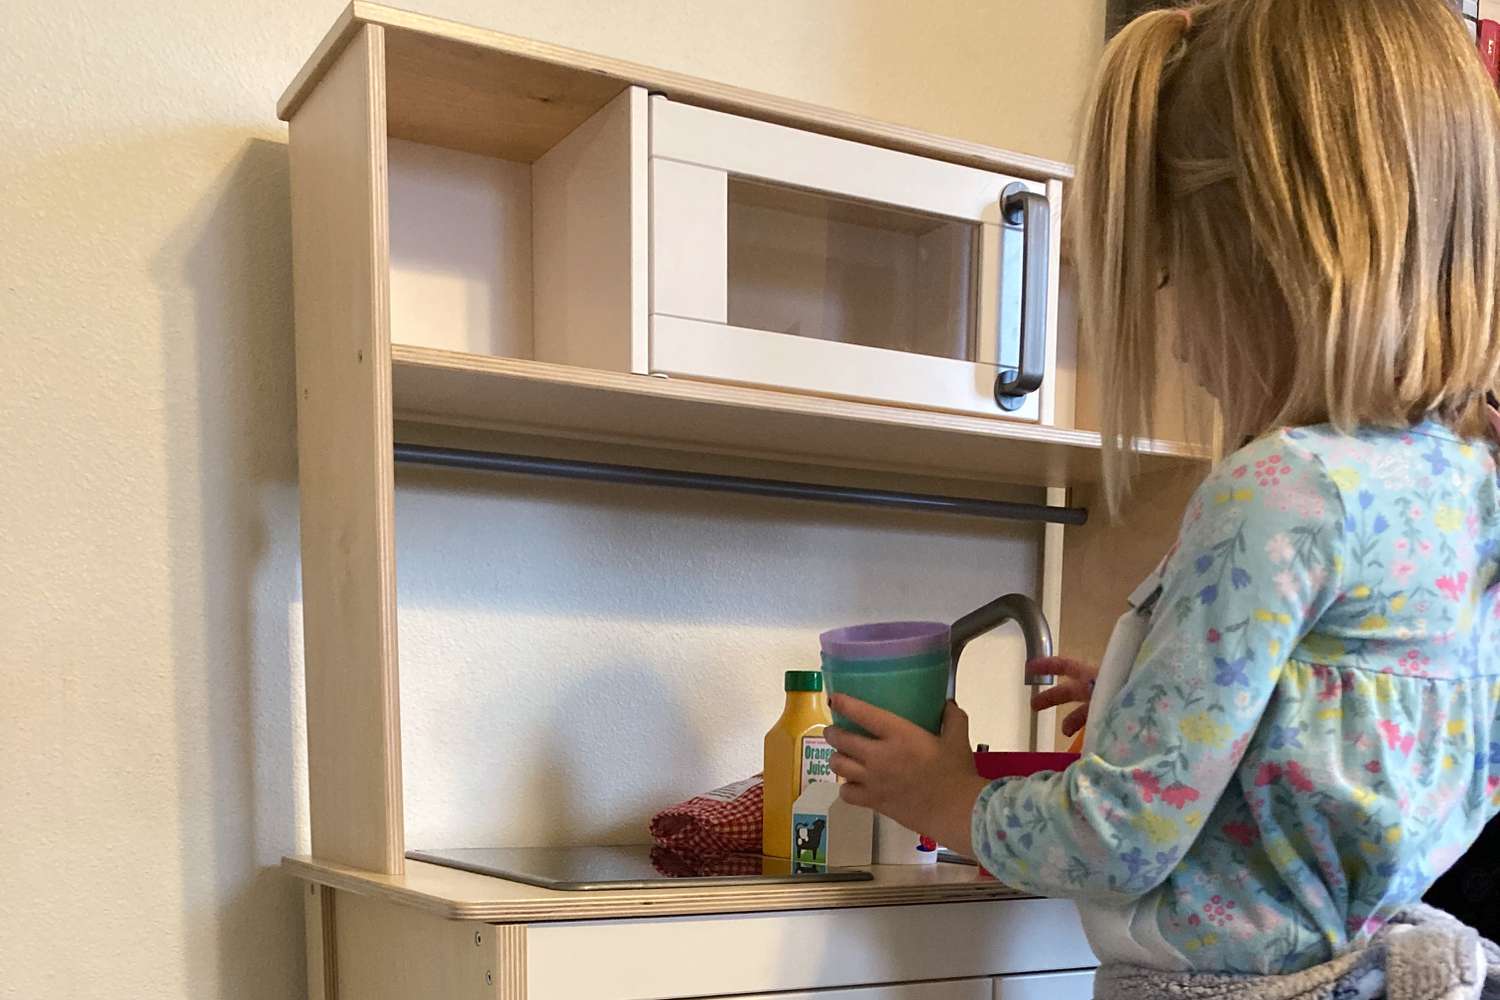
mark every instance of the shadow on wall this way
{"type": "Point", "coordinates": [231, 441]}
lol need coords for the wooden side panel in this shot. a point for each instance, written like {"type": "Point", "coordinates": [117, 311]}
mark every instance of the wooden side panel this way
{"type": "Point", "coordinates": [322, 952]}
{"type": "Point", "coordinates": [589, 241]}
{"type": "Point", "coordinates": [341, 269]}
{"type": "Point", "coordinates": [392, 952]}
{"type": "Point", "coordinates": [1103, 561]}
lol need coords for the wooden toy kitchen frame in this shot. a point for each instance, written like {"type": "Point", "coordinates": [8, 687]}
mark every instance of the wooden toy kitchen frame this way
{"type": "Point", "coordinates": [629, 175]}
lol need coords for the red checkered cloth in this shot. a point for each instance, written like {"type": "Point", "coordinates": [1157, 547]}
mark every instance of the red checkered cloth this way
{"type": "Point", "coordinates": [724, 821]}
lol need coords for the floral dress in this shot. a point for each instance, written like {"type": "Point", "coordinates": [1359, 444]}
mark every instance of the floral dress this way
{"type": "Point", "coordinates": [1308, 737]}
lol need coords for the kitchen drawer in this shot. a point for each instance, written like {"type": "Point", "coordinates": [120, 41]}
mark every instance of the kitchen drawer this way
{"type": "Point", "coordinates": [749, 954]}
{"type": "Point", "coordinates": [958, 989]}
{"type": "Point", "coordinates": [1077, 985]}
{"type": "Point", "coordinates": [801, 261]}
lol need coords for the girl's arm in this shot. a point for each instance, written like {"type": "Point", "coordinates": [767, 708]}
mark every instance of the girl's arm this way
{"type": "Point", "coordinates": [1257, 563]}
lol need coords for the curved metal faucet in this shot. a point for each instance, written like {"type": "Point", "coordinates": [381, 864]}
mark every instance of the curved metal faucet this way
{"type": "Point", "coordinates": [1017, 608]}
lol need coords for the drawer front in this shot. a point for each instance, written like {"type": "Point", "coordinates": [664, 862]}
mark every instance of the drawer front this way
{"type": "Point", "coordinates": [966, 989]}
{"type": "Point", "coordinates": [814, 950]}
{"type": "Point", "coordinates": [792, 260]}
{"type": "Point", "coordinates": [1049, 986]}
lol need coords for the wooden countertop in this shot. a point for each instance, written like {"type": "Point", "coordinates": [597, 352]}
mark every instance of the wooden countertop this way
{"type": "Point", "coordinates": [459, 895]}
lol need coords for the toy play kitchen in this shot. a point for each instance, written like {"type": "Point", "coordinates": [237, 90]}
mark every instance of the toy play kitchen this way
{"type": "Point", "coordinates": [516, 258]}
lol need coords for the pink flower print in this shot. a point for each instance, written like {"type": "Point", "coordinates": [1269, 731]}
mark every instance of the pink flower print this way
{"type": "Point", "coordinates": [1219, 911]}
{"type": "Point", "coordinates": [1373, 767]}
{"type": "Point", "coordinates": [1413, 662]}
{"type": "Point", "coordinates": [1239, 471]}
{"type": "Point", "coordinates": [1148, 784]}
{"type": "Point", "coordinates": [1194, 920]}
{"type": "Point", "coordinates": [1268, 471]}
{"type": "Point", "coordinates": [1279, 548]}
{"type": "Point", "coordinates": [1453, 586]}
{"type": "Point", "coordinates": [1403, 570]}
{"type": "Point", "coordinates": [1269, 772]}
{"type": "Point", "coordinates": [1213, 633]}
{"type": "Point", "coordinates": [1424, 546]}
{"type": "Point", "coordinates": [1163, 705]}
{"type": "Point", "coordinates": [1241, 833]}
{"type": "Point", "coordinates": [1395, 738]}
{"type": "Point", "coordinates": [1286, 584]}
{"type": "Point", "coordinates": [1298, 778]}
{"type": "Point", "coordinates": [1416, 512]}
{"type": "Point", "coordinates": [1179, 795]}
{"type": "Point", "coordinates": [1402, 545]}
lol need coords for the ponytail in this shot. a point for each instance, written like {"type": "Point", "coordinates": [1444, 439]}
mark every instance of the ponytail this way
{"type": "Point", "coordinates": [1119, 234]}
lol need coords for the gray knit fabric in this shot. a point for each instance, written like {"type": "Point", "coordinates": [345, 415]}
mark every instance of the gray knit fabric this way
{"type": "Point", "coordinates": [1423, 954]}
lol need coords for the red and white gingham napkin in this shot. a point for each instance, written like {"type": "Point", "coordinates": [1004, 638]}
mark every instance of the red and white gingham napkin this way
{"type": "Point", "coordinates": [724, 821]}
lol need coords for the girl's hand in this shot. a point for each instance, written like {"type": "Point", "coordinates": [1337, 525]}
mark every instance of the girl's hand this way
{"type": "Point", "coordinates": [924, 782]}
{"type": "Point", "coordinates": [1077, 685]}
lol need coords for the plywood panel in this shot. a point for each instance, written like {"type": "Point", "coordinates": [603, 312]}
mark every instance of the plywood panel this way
{"type": "Point", "coordinates": [589, 233]}
{"type": "Point", "coordinates": [1103, 561]}
{"type": "Point", "coordinates": [497, 103]}
{"type": "Point", "coordinates": [392, 952]}
{"type": "Point", "coordinates": [460, 251]}
{"type": "Point", "coordinates": [341, 262]}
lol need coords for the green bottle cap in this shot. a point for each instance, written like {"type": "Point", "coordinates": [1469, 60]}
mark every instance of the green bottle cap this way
{"type": "Point", "coordinates": [804, 680]}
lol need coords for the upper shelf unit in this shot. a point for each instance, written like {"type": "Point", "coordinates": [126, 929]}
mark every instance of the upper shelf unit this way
{"type": "Point", "coordinates": [547, 229]}
{"type": "Point", "coordinates": [499, 95]}
{"type": "Point", "coordinates": [529, 397]}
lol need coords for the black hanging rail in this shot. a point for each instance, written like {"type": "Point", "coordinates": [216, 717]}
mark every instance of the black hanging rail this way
{"type": "Point", "coordinates": [599, 472]}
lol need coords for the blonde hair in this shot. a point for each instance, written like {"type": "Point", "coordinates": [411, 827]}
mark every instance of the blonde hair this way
{"type": "Point", "coordinates": [1316, 183]}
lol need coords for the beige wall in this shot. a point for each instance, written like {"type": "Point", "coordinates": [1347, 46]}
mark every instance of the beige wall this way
{"type": "Point", "coordinates": [150, 745]}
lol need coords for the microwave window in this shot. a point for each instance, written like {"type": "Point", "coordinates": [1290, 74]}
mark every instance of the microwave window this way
{"type": "Point", "coordinates": [810, 265]}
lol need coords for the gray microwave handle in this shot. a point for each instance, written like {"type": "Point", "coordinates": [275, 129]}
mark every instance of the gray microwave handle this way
{"type": "Point", "coordinates": [1025, 233]}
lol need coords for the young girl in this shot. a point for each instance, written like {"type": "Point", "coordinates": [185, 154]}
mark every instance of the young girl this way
{"type": "Point", "coordinates": [1300, 198]}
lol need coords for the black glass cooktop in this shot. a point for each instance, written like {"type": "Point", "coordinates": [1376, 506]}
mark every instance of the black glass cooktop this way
{"type": "Point", "coordinates": [577, 868]}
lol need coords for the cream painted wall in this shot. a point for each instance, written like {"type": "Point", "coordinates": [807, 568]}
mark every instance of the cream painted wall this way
{"type": "Point", "coordinates": [150, 745]}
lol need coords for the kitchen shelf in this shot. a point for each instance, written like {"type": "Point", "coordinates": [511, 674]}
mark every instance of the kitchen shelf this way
{"type": "Point", "coordinates": [448, 388]}
{"type": "Point", "coordinates": [459, 895]}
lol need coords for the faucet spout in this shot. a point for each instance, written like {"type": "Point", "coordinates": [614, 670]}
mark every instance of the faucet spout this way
{"type": "Point", "coordinates": [1017, 608]}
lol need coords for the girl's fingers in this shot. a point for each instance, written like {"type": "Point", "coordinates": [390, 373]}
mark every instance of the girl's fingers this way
{"type": "Point", "coordinates": [847, 767]}
{"type": "Point", "coordinates": [1061, 665]}
{"type": "Point", "coordinates": [1060, 694]}
{"type": "Point", "coordinates": [849, 744]}
{"type": "Point", "coordinates": [1075, 720]}
{"type": "Point", "coordinates": [876, 721]}
{"type": "Point", "coordinates": [856, 794]}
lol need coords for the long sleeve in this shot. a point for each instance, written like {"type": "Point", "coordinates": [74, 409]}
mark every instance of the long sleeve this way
{"type": "Point", "coordinates": [1257, 562]}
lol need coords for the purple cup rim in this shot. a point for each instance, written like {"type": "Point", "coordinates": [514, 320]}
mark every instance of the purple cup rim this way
{"type": "Point", "coordinates": [886, 640]}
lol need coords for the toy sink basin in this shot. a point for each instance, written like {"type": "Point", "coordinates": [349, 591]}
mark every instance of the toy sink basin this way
{"type": "Point", "coordinates": [997, 764]}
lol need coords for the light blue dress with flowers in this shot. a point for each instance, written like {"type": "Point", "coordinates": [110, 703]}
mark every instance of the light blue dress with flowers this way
{"type": "Point", "coordinates": [1308, 737]}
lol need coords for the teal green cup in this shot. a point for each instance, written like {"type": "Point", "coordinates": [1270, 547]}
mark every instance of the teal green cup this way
{"type": "Point", "coordinates": [902, 667]}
